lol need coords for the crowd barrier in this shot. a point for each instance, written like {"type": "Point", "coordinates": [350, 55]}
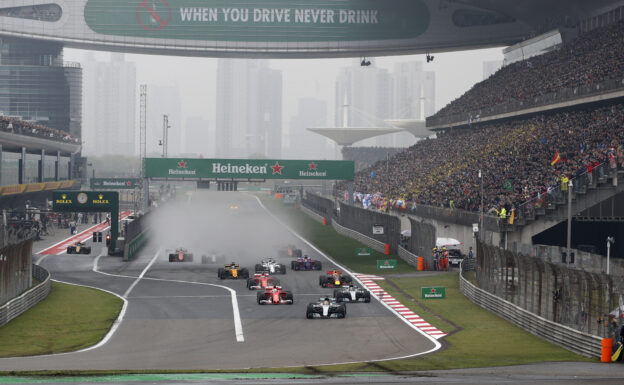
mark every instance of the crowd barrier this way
{"type": "Point", "coordinates": [30, 298]}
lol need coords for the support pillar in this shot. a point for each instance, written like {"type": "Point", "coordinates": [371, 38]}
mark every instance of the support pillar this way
{"type": "Point", "coordinates": [22, 167]}
{"type": "Point", "coordinates": [42, 167]}
{"type": "Point", "coordinates": [57, 166]}
{"type": "Point", "coordinates": [1, 165]}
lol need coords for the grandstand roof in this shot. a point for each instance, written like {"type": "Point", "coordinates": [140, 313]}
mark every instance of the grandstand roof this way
{"type": "Point", "coordinates": [413, 126]}
{"type": "Point", "coordinates": [346, 136]}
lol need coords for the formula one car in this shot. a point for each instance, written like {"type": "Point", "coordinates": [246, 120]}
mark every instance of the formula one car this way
{"type": "Point", "coordinates": [334, 278]}
{"type": "Point", "coordinates": [274, 296]}
{"type": "Point", "coordinates": [261, 281]}
{"type": "Point", "coordinates": [181, 255]}
{"type": "Point", "coordinates": [78, 248]}
{"type": "Point", "coordinates": [270, 266]}
{"type": "Point", "coordinates": [326, 308]}
{"type": "Point", "coordinates": [233, 271]}
{"type": "Point", "coordinates": [290, 251]}
{"type": "Point", "coordinates": [305, 263]}
{"type": "Point", "coordinates": [352, 294]}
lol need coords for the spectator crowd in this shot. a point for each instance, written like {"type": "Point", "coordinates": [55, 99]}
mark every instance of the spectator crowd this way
{"type": "Point", "coordinates": [16, 126]}
{"type": "Point", "coordinates": [591, 58]}
{"type": "Point", "coordinates": [520, 160]}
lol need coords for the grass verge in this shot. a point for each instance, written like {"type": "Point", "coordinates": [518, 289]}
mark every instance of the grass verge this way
{"type": "Point", "coordinates": [328, 240]}
{"type": "Point", "coordinates": [69, 319]}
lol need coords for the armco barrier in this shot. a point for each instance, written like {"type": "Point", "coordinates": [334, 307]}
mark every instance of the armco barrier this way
{"type": "Point", "coordinates": [408, 257]}
{"type": "Point", "coordinates": [30, 298]}
{"type": "Point", "coordinates": [312, 214]}
{"type": "Point", "coordinates": [135, 245]}
{"type": "Point", "coordinates": [578, 342]}
{"type": "Point", "coordinates": [368, 241]}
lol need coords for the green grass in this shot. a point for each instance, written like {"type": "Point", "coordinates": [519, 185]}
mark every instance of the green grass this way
{"type": "Point", "coordinates": [70, 318]}
{"type": "Point", "coordinates": [341, 248]}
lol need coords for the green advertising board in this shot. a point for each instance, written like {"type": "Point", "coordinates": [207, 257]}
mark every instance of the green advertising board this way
{"type": "Point", "coordinates": [115, 183]}
{"type": "Point", "coordinates": [383, 264]}
{"type": "Point", "coordinates": [184, 168]}
{"type": "Point", "coordinates": [253, 21]}
{"type": "Point", "coordinates": [364, 252]}
{"type": "Point", "coordinates": [436, 292]}
{"type": "Point", "coordinates": [91, 202]}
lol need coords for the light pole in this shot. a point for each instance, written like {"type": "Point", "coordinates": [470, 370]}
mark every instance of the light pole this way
{"type": "Point", "coordinates": [569, 240]}
{"type": "Point", "coordinates": [610, 240]}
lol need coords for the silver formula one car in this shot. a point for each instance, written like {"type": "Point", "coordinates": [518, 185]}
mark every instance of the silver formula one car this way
{"type": "Point", "coordinates": [352, 294]}
{"type": "Point", "coordinates": [326, 308]}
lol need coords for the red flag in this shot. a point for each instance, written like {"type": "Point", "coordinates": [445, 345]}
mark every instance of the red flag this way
{"type": "Point", "coordinates": [556, 159]}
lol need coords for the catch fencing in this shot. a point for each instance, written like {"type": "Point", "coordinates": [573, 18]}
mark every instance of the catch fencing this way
{"type": "Point", "coordinates": [559, 293]}
{"type": "Point", "coordinates": [320, 205]}
{"type": "Point", "coordinates": [423, 240]}
{"type": "Point", "coordinates": [30, 298]}
{"type": "Point", "coordinates": [15, 269]}
{"type": "Point", "coordinates": [365, 221]}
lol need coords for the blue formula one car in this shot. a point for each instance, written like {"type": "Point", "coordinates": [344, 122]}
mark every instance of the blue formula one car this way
{"type": "Point", "coordinates": [305, 263]}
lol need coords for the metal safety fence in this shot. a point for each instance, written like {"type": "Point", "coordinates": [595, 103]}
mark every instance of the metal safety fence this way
{"type": "Point", "coordinates": [15, 269]}
{"type": "Point", "coordinates": [584, 301]}
{"type": "Point", "coordinates": [30, 298]}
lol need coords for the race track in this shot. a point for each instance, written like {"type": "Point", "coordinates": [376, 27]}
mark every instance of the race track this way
{"type": "Point", "coordinates": [181, 316]}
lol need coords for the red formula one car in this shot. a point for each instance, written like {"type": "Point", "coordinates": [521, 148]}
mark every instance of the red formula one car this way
{"type": "Point", "coordinates": [262, 281]}
{"type": "Point", "coordinates": [334, 278]}
{"type": "Point", "coordinates": [274, 296]}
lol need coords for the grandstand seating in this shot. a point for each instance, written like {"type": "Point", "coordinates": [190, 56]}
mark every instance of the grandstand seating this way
{"type": "Point", "coordinates": [21, 127]}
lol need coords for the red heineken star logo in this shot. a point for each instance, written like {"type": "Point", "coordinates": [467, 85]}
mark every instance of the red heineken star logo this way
{"type": "Point", "coordinates": [128, 183]}
{"type": "Point", "coordinates": [433, 291]}
{"type": "Point", "coordinates": [277, 169]}
{"type": "Point", "coordinates": [181, 164]}
{"type": "Point", "coordinates": [313, 166]}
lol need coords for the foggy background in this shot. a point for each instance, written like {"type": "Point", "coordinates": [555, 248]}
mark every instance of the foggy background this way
{"type": "Point", "coordinates": [262, 107]}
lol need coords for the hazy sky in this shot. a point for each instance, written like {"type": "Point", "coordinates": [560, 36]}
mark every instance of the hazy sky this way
{"type": "Point", "coordinates": [195, 77]}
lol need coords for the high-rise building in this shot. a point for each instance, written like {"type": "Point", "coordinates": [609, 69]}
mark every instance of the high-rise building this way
{"type": "Point", "coordinates": [249, 109]}
{"type": "Point", "coordinates": [109, 106]}
{"type": "Point", "coordinates": [164, 100]}
{"type": "Point", "coordinates": [200, 137]}
{"type": "Point", "coordinates": [37, 86]}
{"type": "Point", "coordinates": [304, 144]}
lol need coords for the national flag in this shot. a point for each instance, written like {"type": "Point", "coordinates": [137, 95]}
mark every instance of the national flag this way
{"type": "Point", "coordinates": [372, 174]}
{"type": "Point", "coordinates": [508, 185]}
{"type": "Point", "coordinates": [556, 159]}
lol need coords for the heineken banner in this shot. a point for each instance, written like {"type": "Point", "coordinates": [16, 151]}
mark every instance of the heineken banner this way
{"type": "Point", "coordinates": [177, 168]}
{"type": "Point", "coordinates": [437, 292]}
{"type": "Point", "coordinates": [115, 183]}
{"type": "Point", "coordinates": [259, 21]}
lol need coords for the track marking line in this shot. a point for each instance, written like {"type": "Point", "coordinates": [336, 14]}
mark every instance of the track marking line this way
{"type": "Point", "coordinates": [136, 281]}
{"type": "Point", "coordinates": [238, 325]}
{"type": "Point", "coordinates": [433, 339]}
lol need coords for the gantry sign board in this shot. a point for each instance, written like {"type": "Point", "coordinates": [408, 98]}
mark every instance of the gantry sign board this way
{"type": "Point", "coordinates": [248, 169]}
{"type": "Point", "coordinates": [115, 183]}
{"type": "Point", "coordinates": [262, 28]}
{"type": "Point", "coordinates": [90, 202]}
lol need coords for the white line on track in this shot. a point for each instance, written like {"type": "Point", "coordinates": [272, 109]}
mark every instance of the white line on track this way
{"type": "Point", "coordinates": [154, 258]}
{"type": "Point", "coordinates": [436, 343]}
{"type": "Point", "coordinates": [238, 325]}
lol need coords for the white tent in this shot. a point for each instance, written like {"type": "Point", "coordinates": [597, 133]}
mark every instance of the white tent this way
{"type": "Point", "coordinates": [440, 242]}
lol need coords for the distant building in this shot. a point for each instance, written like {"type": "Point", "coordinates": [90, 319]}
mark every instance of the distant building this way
{"type": "Point", "coordinates": [490, 67]}
{"type": "Point", "coordinates": [109, 106]}
{"type": "Point", "coordinates": [200, 137]}
{"type": "Point", "coordinates": [249, 109]}
{"type": "Point", "coordinates": [304, 144]}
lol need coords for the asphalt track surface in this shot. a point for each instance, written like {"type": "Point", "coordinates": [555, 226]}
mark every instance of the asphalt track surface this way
{"type": "Point", "coordinates": [181, 316]}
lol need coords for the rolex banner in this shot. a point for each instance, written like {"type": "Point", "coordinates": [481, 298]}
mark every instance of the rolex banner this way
{"type": "Point", "coordinates": [184, 168]}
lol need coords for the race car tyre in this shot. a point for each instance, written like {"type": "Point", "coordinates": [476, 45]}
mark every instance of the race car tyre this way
{"type": "Point", "coordinates": [250, 283]}
{"type": "Point", "coordinates": [347, 278]}
{"type": "Point", "coordinates": [336, 294]}
{"type": "Point", "coordinates": [317, 265]}
{"type": "Point", "coordinates": [283, 269]}
{"type": "Point", "coordinates": [87, 250]}
{"type": "Point", "coordinates": [69, 250]}
{"type": "Point", "coordinates": [289, 297]}
{"type": "Point", "coordinates": [220, 272]}
{"type": "Point", "coordinates": [258, 268]}
{"type": "Point", "coordinates": [292, 265]}
{"type": "Point", "coordinates": [321, 280]}
{"type": "Point", "coordinates": [342, 311]}
{"type": "Point", "coordinates": [259, 298]}
{"type": "Point", "coordinates": [172, 257]}
{"type": "Point", "coordinates": [367, 297]}
{"type": "Point", "coordinates": [310, 312]}
{"type": "Point", "coordinates": [244, 273]}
